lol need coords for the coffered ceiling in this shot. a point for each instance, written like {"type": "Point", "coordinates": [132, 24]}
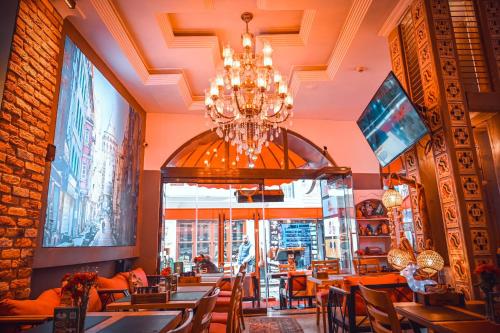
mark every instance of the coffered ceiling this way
{"type": "Point", "coordinates": [165, 51]}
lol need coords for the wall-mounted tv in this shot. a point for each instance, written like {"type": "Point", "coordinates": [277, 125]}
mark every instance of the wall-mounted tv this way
{"type": "Point", "coordinates": [390, 123]}
{"type": "Point", "coordinates": [93, 188]}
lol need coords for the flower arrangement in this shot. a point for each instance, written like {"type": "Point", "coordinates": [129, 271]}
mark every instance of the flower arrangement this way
{"type": "Point", "coordinates": [199, 259]}
{"type": "Point", "coordinates": [78, 286]}
{"type": "Point", "coordinates": [488, 274]}
{"type": "Point", "coordinates": [167, 271]}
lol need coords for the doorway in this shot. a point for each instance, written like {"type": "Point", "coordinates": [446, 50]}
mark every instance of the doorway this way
{"type": "Point", "coordinates": [293, 202]}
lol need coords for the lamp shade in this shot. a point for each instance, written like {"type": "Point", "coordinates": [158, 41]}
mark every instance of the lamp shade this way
{"type": "Point", "coordinates": [430, 262]}
{"type": "Point", "coordinates": [392, 198]}
{"type": "Point", "coordinates": [398, 258]}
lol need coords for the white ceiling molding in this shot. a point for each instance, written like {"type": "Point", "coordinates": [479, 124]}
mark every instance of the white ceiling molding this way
{"type": "Point", "coordinates": [394, 17]}
{"type": "Point", "coordinates": [118, 29]}
{"type": "Point", "coordinates": [299, 39]}
{"type": "Point", "coordinates": [355, 17]}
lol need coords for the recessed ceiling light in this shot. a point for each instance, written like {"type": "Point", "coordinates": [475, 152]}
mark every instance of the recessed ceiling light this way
{"type": "Point", "coordinates": [360, 69]}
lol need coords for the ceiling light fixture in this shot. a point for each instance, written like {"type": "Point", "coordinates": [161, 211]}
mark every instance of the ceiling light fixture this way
{"type": "Point", "coordinates": [248, 100]}
{"type": "Point", "coordinates": [70, 3]}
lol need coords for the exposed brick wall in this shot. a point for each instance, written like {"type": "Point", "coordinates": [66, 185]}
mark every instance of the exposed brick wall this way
{"type": "Point", "coordinates": [24, 131]}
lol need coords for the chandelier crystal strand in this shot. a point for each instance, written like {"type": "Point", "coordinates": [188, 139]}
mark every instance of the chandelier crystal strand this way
{"type": "Point", "coordinates": [248, 99]}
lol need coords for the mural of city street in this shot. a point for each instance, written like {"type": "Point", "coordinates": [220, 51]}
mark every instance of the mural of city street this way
{"type": "Point", "coordinates": [93, 188]}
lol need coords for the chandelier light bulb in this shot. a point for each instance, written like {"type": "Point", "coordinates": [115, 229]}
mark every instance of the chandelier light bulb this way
{"type": "Point", "coordinates": [277, 77]}
{"type": "Point", "coordinates": [267, 50]}
{"type": "Point", "coordinates": [289, 101]}
{"type": "Point", "coordinates": [268, 61]}
{"type": "Point", "coordinates": [214, 91]}
{"type": "Point", "coordinates": [246, 40]}
{"type": "Point", "coordinates": [282, 89]}
{"type": "Point", "coordinates": [219, 80]}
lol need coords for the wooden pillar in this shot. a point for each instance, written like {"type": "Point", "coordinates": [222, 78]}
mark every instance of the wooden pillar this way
{"type": "Point", "coordinates": [409, 158]}
{"type": "Point", "coordinates": [459, 182]}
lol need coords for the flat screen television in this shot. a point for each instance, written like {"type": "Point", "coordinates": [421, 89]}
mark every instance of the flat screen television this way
{"type": "Point", "coordinates": [391, 123]}
{"type": "Point", "coordinates": [92, 195]}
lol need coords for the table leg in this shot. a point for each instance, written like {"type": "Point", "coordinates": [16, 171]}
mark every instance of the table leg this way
{"type": "Point", "coordinates": [416, 327]}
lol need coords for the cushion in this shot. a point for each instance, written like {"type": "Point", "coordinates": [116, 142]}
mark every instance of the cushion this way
{"type": "Point", "coordinates": [219, 317]}
{"type": "Point", "coordinates": [225, 293]}
{"type": "Point", "coordinates": [136, 278]}
{"type": "Point", "coordinates": [119, 281]}
{"type": "Point", "coordinates": [43, 305]}
{"type": "Point", "coordinates": [217, 328]}
{"type": "Point", "coordinates": [94, 304]}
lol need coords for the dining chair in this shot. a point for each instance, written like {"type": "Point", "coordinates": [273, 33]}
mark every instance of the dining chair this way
{"type": "Point", "coordinates": [231, 321]}
{"type": "Point", "coordinates": [186, 325]}
{"type": "Point", "coordinates": [381, 312]}
{"type": "Point", "coordinates": [201, 321]}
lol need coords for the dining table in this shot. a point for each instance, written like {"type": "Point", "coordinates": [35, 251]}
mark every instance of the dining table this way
{"type": "Point", "coordinates": [118, 322]}
{"type": "Point", "coordinates": [186, 297]}
{"type": "Point", "coordinates": [447, 318]}
{"type": "Point", "coordinates": [206, 279]}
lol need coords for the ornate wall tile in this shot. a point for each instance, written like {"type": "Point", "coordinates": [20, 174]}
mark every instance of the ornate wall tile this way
{"type": "Point", "coordinates": [453, 91]}
{"type": "Point", "coordinates": [438, 143]}
{"type": "Point", "coordinates": [465, 159]}
{"type": "Point", "coordinates": [480, 241]}
{"type": "Point", "coordinates": [411, 160]}
{"type": "Point", "coordinates": [420, 243]}
{"type": "Point", "coordinates": [424, 55]}
{"type": "Point", "coordinates": [434, 118]}
{"type": "Point", "coordinates": [421, 34]}
{"type": "Point", "coordinates": [454, 241]}
{"type": "Point", "coordinates": [471, 187]}
{"type": "Point", "coordinates": [450, 215]}
{"type": "Point", "coordinates": [431, 96]}
{"type": "Point", "coordinates": [445, 48]}
{"type": "Point", "coordinates": [443, 29]}
{"type": "Point", "coordinates": [449, 68]}
{"type": "Point", "coordinates": [417, 222]}
{"type": "Point", "coordinates": [464, 289]}
{"type": "Point", "coordinates": [439, 9]}
{"type": "Point", "coordinates": [443, 166]}
{"type": "Point", "coordinates": [418, 11]}
{"type": "Point", "coordinates": [476, 215]}
{"type": "Point", "coordinates": [427, 75]}
{"type": "Point", "coordinates": [446, 192]}
{"type": "Point", "coordinates": [457, 113]}
{"type": "Point", "coordinates": [461, 136]}
{"type": "Point", "coordinates": [459, 268]}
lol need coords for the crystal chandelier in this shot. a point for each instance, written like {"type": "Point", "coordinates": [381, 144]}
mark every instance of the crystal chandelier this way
{"type": "Point", "coordinates": [248, 99]}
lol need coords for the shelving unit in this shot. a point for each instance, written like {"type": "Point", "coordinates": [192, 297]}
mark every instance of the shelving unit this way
{"type": "Point", "coordinates": [371, 216]}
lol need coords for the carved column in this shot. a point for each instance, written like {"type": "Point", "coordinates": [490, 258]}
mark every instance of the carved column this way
{"type": "Point", "coordinates": [410, 158]}
{"type": "Point", "coordinates": [455, 158]}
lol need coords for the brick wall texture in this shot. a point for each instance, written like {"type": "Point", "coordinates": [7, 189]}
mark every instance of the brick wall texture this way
{"type": "Point", "coordinates": [24, 132]}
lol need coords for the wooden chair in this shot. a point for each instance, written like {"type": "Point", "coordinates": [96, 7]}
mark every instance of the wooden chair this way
{"type": "Point", "coordinates": [232, 320]}
{"type": "Point", "coordinates": [186, 324]}
{"type": "Point", "coordinates": [201, 321]}
{"type": "Point", "coordinates": [383, 317]}
{"type": "Point", "coordinates": [332, 266]}
{"type": "Point", "coordinates": [344, 310]}
{"type": "Point", "coordinates": [294, 287]}
{"type": "Point", "coordinates": [367, 265]}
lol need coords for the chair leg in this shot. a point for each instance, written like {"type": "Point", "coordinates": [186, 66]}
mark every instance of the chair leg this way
{"type": "Point", "coordinates": [317, 315]}
{"type": "Point", "coordinates": [241, 317]}
{"type": "Point", "coordinates": [323, 311]}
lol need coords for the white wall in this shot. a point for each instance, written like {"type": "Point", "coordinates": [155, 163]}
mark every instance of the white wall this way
{"type": "Point", "coordinates": [167, 132]}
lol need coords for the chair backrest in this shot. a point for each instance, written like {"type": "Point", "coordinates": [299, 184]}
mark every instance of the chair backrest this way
{"type": "Point", "coordinates": [383, 317]}
{"type": "Point", "coordinates": [367, 265]}
{"type": "Point", "coordinates": [233, 322]}
{"type": "Point", "coordinates": [332, 265]}
{"type": "Point", "coordinates": [203, 316]}
{"type": "Point", "coordinates": [186, 325]}
{"type": "Point", "coordinates": [297, 282]}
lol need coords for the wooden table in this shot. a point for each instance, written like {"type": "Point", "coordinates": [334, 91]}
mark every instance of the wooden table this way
{"type": "Point", "coordinates": [207, 279]}
{"type": "Point", "coordinates": [444, 319]}
{"type": "Point", "coordinates": [178, 301]}
{"type": "Point", "coordinates": [331, 280]}
{"type": "Point", "coordinates": [116, 322]}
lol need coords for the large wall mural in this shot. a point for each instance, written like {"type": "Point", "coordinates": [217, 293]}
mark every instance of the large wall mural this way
{"type": "Point", "coordinates": [93, 189]}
